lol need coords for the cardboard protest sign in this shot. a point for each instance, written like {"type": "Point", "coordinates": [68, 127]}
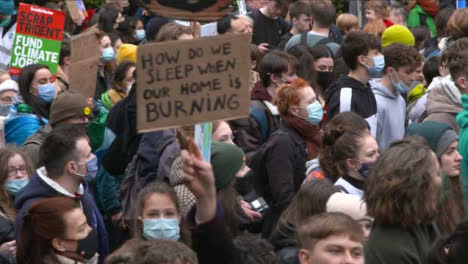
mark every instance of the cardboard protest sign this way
{"type": "Point", "coordinates": [192, 81]}
{"type": "Point", "coordinates": [83, 76]}
{"type": "Point", "coordinates": [84, 46]}
{"type": "Point", "coordinates": [85, 54]}
{"type": "Point", "coordinates": [200, 10]}
{"type": "Point", "coordinates": [77, 9]}
{"type": "Point", "coordinates": [38, 39]}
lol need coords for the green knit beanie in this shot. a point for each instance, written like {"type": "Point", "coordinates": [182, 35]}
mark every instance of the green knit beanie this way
{"type": "Point", "coordinates": [439, 136]}
{"type": "Point", "coordinates": [226, 160]}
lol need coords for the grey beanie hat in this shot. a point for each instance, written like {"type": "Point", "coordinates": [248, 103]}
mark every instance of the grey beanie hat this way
{"type": "Point", "coordinates": [447, 138]}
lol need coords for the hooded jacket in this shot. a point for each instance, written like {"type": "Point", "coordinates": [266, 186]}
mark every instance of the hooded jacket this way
{"type": "Point", "coordinates": [444, 103]}
{"type": "Point", "coordinates": [40, 187]}
{"type": "Point", "coordinates": [462, 121]}
{"type": "Point", "coordinates": [350, 95]}
{"type": "Point", "coordinates": [391, 114]}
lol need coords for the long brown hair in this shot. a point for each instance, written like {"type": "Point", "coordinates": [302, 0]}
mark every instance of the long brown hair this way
{"type": "Point", "coordinates": [310, 200]}
{"type": "Point", "coordinates": [43, 222]}
{"type": "Point", "coordinates": [401, 189]}
{"type": "Point", "coordinates": [5, 155]}
{"type": "Point", "coordinates": [450, 209]}
{"type": "Point", "coordinates": [228, 198]}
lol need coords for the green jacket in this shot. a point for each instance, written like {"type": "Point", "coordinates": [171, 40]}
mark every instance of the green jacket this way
{"type": "Point", "coordinates": [389, 244]}
{"type": "Point", "coordinates": [462, 121]}
{"type": "Point", "coordinates": [414, 19]}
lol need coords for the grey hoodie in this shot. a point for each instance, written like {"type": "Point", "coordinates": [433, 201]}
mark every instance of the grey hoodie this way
{"type": "Point", "coordinates": [391, 114]}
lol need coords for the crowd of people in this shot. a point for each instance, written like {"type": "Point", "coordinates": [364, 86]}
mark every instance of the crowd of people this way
{"type": "Point", "coordinates": [352, 151]}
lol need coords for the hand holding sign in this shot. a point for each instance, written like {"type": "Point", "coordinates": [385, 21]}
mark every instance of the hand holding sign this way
{"type": "Point", "coordinates": [199, 178]}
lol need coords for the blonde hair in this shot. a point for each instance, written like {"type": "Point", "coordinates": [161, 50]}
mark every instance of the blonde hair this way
{"type": "Point", "coordinates": [346, 22]}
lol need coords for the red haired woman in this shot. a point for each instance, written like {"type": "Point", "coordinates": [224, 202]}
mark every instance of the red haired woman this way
{"type": "Point", "coordinates": [282, 158]}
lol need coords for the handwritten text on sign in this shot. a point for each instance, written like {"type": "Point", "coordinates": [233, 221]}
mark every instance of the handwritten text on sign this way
{"type": "Point", "coordinates": [187, 82]}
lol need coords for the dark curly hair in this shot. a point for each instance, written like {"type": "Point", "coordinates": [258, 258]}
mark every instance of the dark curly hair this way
{"type": "Point", "coordinates": [401, 189]}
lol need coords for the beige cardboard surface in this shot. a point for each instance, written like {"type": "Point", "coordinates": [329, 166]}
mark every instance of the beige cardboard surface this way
{"type": "Point", "coordinates": [83, 75]}
{"type": "Point", "coordinates": [192, 81]}
{"type": "Point", "coordinates": [84, 46]}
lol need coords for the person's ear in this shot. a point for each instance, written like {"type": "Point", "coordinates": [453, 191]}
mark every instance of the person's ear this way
{"type": "Point", "coordinates": [294, 110]}
{"type": "Point", "coordinates": [59, 244]}
{"type": "Point", "coordinates": [362, 59]}
{"type": "Point", "coordinates": [294, 20]}
{"type": "Point", "coordinates": [350, 164]}
{"type": "Point", "coordinates": [71, 166]}
{"type": "Point", "coordinates": [462, 83]}
{"type": "Point", "coordinates": [304, 256]}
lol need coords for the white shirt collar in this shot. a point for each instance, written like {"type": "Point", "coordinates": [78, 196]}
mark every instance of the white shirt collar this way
{"type": "Point", "coordinates": [42, 173]}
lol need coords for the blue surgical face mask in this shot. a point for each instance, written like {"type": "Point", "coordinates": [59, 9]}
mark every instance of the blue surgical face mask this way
{"type": "Point", "coordinates": [14, 186]}
{"type": "Point", "coordinates": [46, 92]}
{"type": "Point", "coordinates": [379, 64]}
{"type": "Point", "coordinates": [140, 34]}
{"type": "Point", "coordinates": [398, 84]}
{"type": "Point", "coordinates": [314, 113]}
{"type": "Point", "coordinates": [92, 168]}
{"type": "Point", "coordinates": [161, 228]}
{"type": "Point", "coordinates": [5, 109]}
{"type": "Point", "coordinates": [108, 55]}
{"type": "Point", "coordinates": [5, 22]}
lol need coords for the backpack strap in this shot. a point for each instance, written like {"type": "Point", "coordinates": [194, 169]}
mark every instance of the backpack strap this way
{"type": "Point", "coordinates": [258, 113]}
{"type": "Point", "coordinates": [342, 189]}
{"type": "Point", "coordinates": [303, 40]}
{"type": "Point", "coordinates": [324, 41]}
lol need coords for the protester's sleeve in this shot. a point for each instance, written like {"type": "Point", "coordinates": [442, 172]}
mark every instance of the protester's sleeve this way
{"type": "Point", "coordinates": [279, 164]}
{"type": "Point", "coordinates": [107, 192]}
{"type": "Point", "coordinates": [212, 241]}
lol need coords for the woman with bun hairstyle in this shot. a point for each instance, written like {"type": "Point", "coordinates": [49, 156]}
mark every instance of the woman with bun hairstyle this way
{"type": "Point", "coordinates": [352, 153]}
{"type": "Point", "coordinates": [325, 166]}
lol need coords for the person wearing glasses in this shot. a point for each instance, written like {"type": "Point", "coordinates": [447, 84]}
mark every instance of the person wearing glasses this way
{"type": "Point", "coordinates": [15, 171]}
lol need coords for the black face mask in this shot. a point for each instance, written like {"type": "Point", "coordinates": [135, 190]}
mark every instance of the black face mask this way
{"type": "Point", "coordinates": [88, 247]}
{"type": "Point", "coordinates": [324, 79]}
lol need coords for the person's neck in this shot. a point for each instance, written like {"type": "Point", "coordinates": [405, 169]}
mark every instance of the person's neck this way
{"type": "Point", "coordinates": [361, 74]}
{"type": "Point", "coordinates": [69, 183]}
{"type": "Point", "coordinates": [321, 30]}
{"type": "Point", "coordinates": [294, 31]}
{"type": "Point", "coordinates": [387, 82]}
{"type": "Point", "coordinates": [272, 90]}
{"type": "Point", "coordinates": [355, 175]}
